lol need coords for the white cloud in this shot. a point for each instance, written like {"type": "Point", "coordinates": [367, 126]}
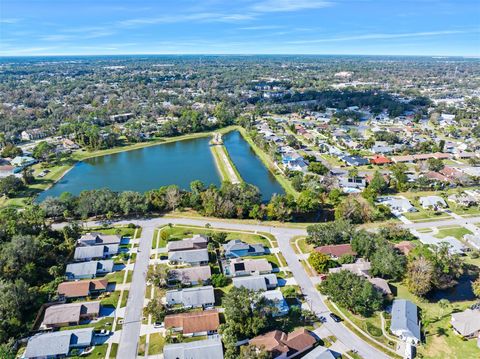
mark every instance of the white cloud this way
{"type": "Point", "coordinates": [9, 20]}
{"type": "Point", "coordinates": [381, 36]}
{"type": "Point", "coordinates": [289, 5]}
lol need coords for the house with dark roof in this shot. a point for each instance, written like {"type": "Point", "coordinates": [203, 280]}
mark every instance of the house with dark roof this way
{"type": "Point", "coordinates": [236, 248]}
{"type": "Point", "coordinates": [405, 323]}
{"type": "Point", "coordinates": [196, 242]}
{"type": "Point", "coordinates": [95, 239]}
{"type": "Point", "coordinates": [285, 346]}
{"type": "Point", "coordinates": [354, 161]}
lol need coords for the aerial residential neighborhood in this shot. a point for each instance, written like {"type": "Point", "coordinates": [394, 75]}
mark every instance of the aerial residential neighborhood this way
{"type": "Point", "coordinates": [255, 179]}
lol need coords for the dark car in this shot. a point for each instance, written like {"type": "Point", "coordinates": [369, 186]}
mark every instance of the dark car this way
{"type": "Point", "coordinates": [335, 317]}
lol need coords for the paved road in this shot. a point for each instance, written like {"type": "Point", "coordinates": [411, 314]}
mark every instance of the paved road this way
{"type": "Point", "coordinates": [132, 321]}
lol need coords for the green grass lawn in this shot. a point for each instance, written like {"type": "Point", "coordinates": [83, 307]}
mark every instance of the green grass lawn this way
{"type": "Point", "coordinates": [181, 232]}
{"type": "Point", "coordinates": [116, 277]}
{"type": "Point", "coordinates": [121, 230]}
{"type": "Point", "coordinates": [156, 344]}
{"type": "Point", "coordinates": [111, 299]}
{"type": "Point", "coordinates": [99, 352]}
{"type": "Point", "coordinates": [113, 351]}
{"type": "Point", "coordinates": [304, 246]}
{"type": "Point", "coordinates": [142, 345]}
{"type": "Point", "coordinates": [424, 215]}
{"type": "Point", "coordinates": [457, 232]}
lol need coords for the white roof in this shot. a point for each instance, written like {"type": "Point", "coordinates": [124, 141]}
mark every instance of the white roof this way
{"type": "Point", "coordinates": [201, 349]}
{"type": "Point", "coordinates": [191, 296]}
{"type": "Point", "coordinates": [57, 343]}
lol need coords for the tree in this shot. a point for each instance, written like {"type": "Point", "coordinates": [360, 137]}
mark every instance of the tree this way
{"type": "Point", "coordinates": [158, 276]}
{"type": "Point", "coordinates": [378, 183]}
{"type": "Point", "coordinates": [337, 232]}
{"type": "Point", "coordinates": [308, 202]}
{"type": "Point", "coordinates": [420, 276]}
{"type": "Point", "coordinates": [319, 261]}
{"type": "Point", "coordinates": [43, 151]}
{"type": "Point", "coordinates": [156, 309]}
{"type": "Point", "coordinates": [386, 262]}
{"type": "Point", "coordinates": [476, 287]}
{"type": "Point", "coordinates": [399, 172]}
{"type": "Point", "coordinates": [352, 292]}
{"type": "Point", "coordinates": [252, 352]}
{"type": "Point", "coordinates": [318, 168]}
{"type": "Point", "coordinates": [219, 280]}
{"type": "Point", "coordinates": [356, 209]}
{"type": "Point", "coordinates": [132, 203]}
{"type": "Point", "coordinates": [10, 186]}
{"type": "Point", "coordinates": [10, 150]}
{"type": "Point", "coordinates": [435, 164]}
{"type": "Point", "coordinates": [172, 197]}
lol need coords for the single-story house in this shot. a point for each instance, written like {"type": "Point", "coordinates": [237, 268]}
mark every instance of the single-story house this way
{"type": "Point", "coordinates": [467, 323]}
{"type": "Point", "coordinates": [201, 349]}
{"type": "Point", "coordinates": [196, 242]}
{"type": "Point", "coordinates": [405, 323]}
{"type": "Point", "coordinates": [360, 267]}
{"type": "Point", "coordinates": [88, 270]}
{"type": "Point", "coordinates": [380, 285]}
{"type": "Point", "coordinates": [432, 202]}
{"type": "Point", "coordinates": [194, 257]}
{"type": "Point", "coordinates": [473, 239]}
{"type": "Point", "coordinates": [63, 315]}
{"type": "Point", "coordinates": [83, 288]}
{"type": "Point", "coordinates": [238, 267]}
{"type": "Point", "coordinates": [191, 297]}
{"type": "Point", "coordinates": [355, 160]}
{"type": "Point", "coordinates": [58, 344]}
{"type": "Point", "coordinates": [336, 250]}
{"type": "Point", "coordinates": [236, 248]}
{"type": "Point", "coordinates": [397, 204]}
{"type": "Point", "coordinates": [95, 252]}
{"type": "Point", "coordinates": [284, 346]}
{"type": "Point", "coordinates": [95, 239]}
{"type": "Point", "coordinates": [194, 323]}
{"type": "Point", "coordinates": [190, 276]}
{"type": "Point", "coordinates": [380, 160]}
{"type": "Point", "coordinates": [277, 298]}
{"type": "Point", "coordinates": [23, 161]}
{"type": "Point", "coordinates": [257, 282]}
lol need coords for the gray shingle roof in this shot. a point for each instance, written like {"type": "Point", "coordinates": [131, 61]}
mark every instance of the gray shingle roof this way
{"type": "Point", "coordinates": [202, 349]}
{"type": "Point", "coordinates": [67, 313]}
{"type": "Point", "coordinates": [95, 251]}
{"type": "Point", "coordinates": [191, 256]}
{"type": "Point", "coordinates": [191, 297]}
{"type": "Point", "coordinates": [88, 268]}
{"type": "Point", "coordinates": [94, 238]}
{"type": "Point", "coordinates": [405, 318]}
{"type": "Point", "coordinates": [57, 343]}
{"type": "Point", "coordinates": [258, 282]}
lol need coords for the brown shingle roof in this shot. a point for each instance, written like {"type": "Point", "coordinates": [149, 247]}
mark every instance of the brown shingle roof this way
{"type": "Point", "coordinates": [194, 322]}
{"type": "Point", "coordinates": [81, 288]}
{"type": "Point", "coordinates": [337, 250]}
{"type": "Point", "coordinates": [278, 342]}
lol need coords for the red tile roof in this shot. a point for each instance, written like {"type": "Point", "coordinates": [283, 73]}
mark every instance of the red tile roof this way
{"type": "Point", "coordinates": [336, 250]}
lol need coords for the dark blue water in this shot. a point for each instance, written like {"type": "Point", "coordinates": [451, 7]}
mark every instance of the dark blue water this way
{"type": "Point", "coordinates": [140, 170]}
{"type": "Point", "coordinates": [251, 168]}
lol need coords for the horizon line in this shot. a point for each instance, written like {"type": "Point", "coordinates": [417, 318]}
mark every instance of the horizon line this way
{"type": "Point", "coordinates": [240, 54]}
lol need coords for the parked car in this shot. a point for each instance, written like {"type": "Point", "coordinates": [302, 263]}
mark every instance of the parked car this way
{"type": "Point", "coordinates": [335, 317]}
{"type": "Point", "coordinates": [103, 332]}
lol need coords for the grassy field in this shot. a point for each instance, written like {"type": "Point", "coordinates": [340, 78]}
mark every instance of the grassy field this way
{"type": "Point", "coordinates": [457, 232]}
{"type": "Point", "coordinates": [221, 155]}
{"type": "Point", "coordinates": [156, 344]}
{"type": "Point", "coordinates": [181, 232]}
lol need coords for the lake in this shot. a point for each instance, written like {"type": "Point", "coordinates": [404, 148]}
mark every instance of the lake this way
{"type": "Point", "coordinates": [251, 168]}
{"type": "Point", "coordinates": [179, 163]}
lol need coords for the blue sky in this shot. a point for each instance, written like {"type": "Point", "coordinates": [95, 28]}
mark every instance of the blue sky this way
{"type": "Point", "coordinates": [384, 27]}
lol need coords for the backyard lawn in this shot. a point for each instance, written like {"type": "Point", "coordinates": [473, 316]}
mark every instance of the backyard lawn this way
{"type": "Point", "coordinates": [156, 344]}
{"type": "Point", "coordinates": [457, 232]}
